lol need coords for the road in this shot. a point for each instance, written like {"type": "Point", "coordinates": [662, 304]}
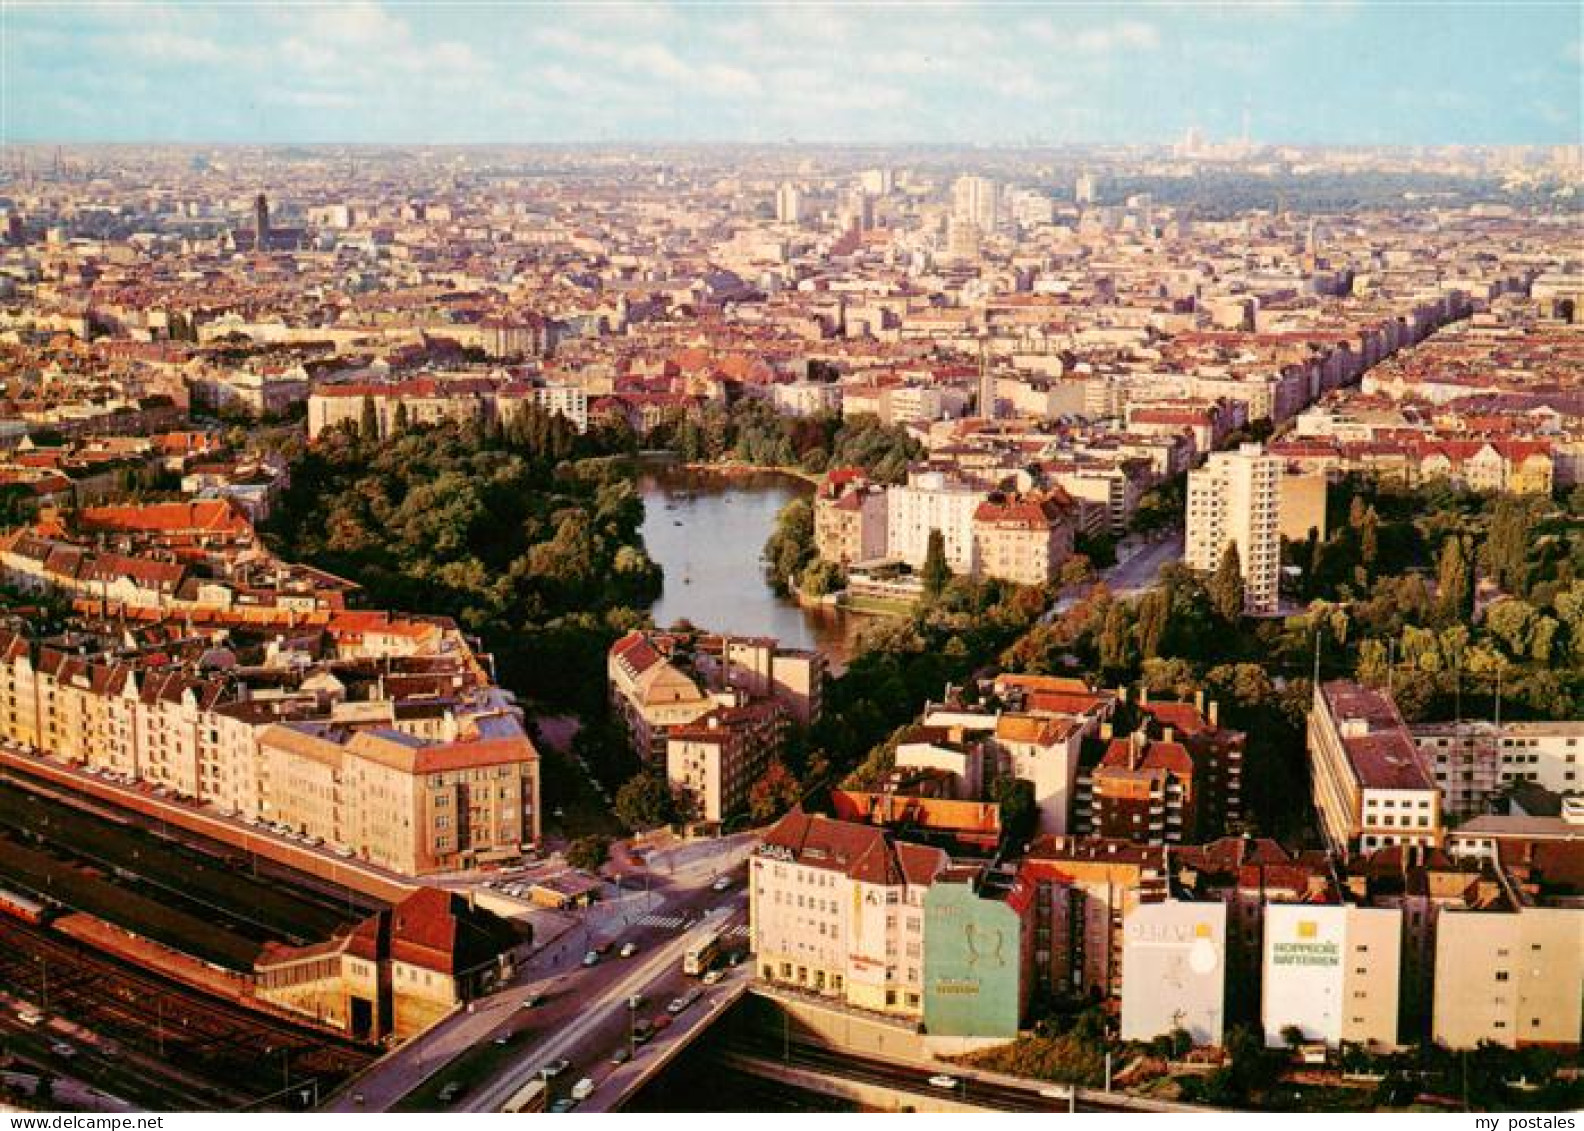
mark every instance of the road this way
{"type": "Point", "coordinates": [969, 1087]}
{"type": "Point", "coordinates": [601, 1024]}
{"type": "Point", "coordinates": [581, 999]}
{"type": "Point", "coordinates": [1127, 578]}
{"type": "Point", "coordinates": [1139, 572]}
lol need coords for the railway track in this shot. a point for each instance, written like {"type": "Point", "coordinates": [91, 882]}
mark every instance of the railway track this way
{"type": "Point", "coordinates": [247, 1054]}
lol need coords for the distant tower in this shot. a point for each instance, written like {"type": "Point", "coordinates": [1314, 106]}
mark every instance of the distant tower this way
{"type": "Point", "coordinates": [260, 222]}
{"type": "Point", "coordinates": [987, 386]}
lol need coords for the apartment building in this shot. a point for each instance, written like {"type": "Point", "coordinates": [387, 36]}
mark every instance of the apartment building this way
{"type": "Point", "coordinates": [1174, 970]}
{"type": "Point", "coordinates": [1024, 540]}
{"type": "Point", "coordinates": [933, 500]}
{"type": "Point", "coordinates": [978, 953]}
{"type": "Point", "coordinates": [850, 526]}
{"type": "Point", "coordinates": [398, 801]}
{"type": "Point", "coordinates": [1476, 761]}
{"type": "Point", "coordinates": [715, 761]}
{"type": "Point", "coordinates": [1084, 888]}
{"type": "Point", "coordinates": [1369, 786]}
{"type": "Point", "coordinates": [1509, 967]}
{"type": "Point", "coordinates": [837, 909]}
{"type": "Point", "coordinates": [1236, 498]}
{"type": "Point", "coordinates": [1333, 971]}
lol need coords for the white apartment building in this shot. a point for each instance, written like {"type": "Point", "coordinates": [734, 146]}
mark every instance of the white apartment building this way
{"type": "Point", "coordinates": [1332, 970]}
{"type": "Point", "coordinates": [974, 202]}
{"type": "Point", "coordinates": [837, 908]}
{"type": "Point", "coordinates": [1236, 497]}
{"type": "Point", "coordinates": [932, 500]}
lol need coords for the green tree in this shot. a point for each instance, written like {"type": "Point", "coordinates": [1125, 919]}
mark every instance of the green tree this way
{"type": "Point", "coordinates": [645, 802]}
{"type": "Point", "coordinates": [774, 793]}
{"type": "Point", "coordinates": [399, 421]}
{"type": "Point", "coordinates": [1226, 586]}
{"type": "Point", "coordinates": [791, 545]}
{"type": "Point", "coordinates": [1117, 654]}
{"type": "Point", "coordinates": [1454, 582]}
{"type": "Point", "coordinates": [936, 573]}
{"type": "Point", "coordinates": [588, 853]}
{"type": "Point", "coordinates": [368, 428]}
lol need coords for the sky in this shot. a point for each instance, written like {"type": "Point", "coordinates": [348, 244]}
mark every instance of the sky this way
{"type": "Point", "coordinates": [1306, 73]}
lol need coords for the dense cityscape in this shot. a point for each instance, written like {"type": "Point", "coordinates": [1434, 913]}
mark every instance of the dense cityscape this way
{"type": "Point", "coordinates": [664, 626]}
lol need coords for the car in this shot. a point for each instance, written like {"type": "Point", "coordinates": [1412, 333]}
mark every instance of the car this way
{"type": "Point", "coordinates": [660, 1023]}
{"type": "Point", "coordinates": [628, 950]}
{"type": "Point", "coordinates": [1056, 1093]}
{"type": "Point", "coordinates": [735, 958]}
{"type": "Point", "coordinates": [620, 1056]}
{"type": "Point", "coordinates": [692, 996]}
{"type": "Point", "coordinates": [603, 948]}
{"type": "Point", "coordinates": [563, 1105]}
{"type": "Point", "coordinates": [583, 1089]}
{"type": "Point", "coordinates": [504, 1039]}
{"type": "Point", "coordinates": [643, 1029]}
{"type": "Point", "coordinates": [554, 1068]}
{"type": "Point", "coordinates": [533, 1001]}
{"type": "Point", "coordinates": [635, 1001]}
{"type": "Point", "coordinates": [943, 1081]}
{"type": "Point", "coordinates": [30, 1017]}
{"type": "Point", "coordinates": [591, 958]}
{"type": "Point", "coordinates": [61, 1048]}
{"type": "Point", "coordinates": [345, 853]}
{"type": "Point", "coordinates": [452, 1092]}
{"type": "Point", "coordinates": [713, 976]}
{"type": "Point", "coordinates": [677, 1005]}
{"type": "Point", "coordinates": [721, 884]}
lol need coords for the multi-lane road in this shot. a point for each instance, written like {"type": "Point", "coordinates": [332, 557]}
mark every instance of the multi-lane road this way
{"type": "Point", "coordinates": [584, 1016]}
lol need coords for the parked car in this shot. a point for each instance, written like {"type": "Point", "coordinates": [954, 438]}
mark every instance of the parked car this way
{"type": "Point", "coordinates": [628, 949]}
{"type": "Point", "coordinates": [583, 1089]}
{"type": "Point", "coordinates": [676, 1006]}
{"type": "Point", "coordinates": [620, 1056]}
{"type": "Point", "coordinates": [555, 1068]}
{"type": "Point", "coordinates": [713, 976]}
{"type": "Point", "coordinates": [943, 1081]}
{"type": "Point", "coordinates": [591, 958]}
{"type": "Point", "coordinates": [721, 884]}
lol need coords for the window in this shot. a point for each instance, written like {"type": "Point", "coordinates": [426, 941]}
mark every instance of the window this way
{"type": "Point", "coordinates": [1501, 975]}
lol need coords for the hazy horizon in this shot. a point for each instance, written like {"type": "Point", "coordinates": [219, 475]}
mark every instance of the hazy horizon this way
{"type": "Point", "coordinates": [1303, 74]}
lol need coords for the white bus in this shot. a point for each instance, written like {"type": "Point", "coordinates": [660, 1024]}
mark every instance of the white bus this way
{"type": "Point", "coordinates": [702, 954]}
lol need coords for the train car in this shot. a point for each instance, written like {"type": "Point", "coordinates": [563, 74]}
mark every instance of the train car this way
{"type": "Point", "coordinates": [21, 907]}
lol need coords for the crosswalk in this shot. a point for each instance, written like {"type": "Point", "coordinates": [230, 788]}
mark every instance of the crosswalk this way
{"type": "Point", "coordinates": [673, 922]}
{"type": "Point", "coordinates": [669, 922]}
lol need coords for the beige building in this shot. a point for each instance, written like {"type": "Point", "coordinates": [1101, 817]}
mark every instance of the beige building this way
{"type": "Point", "coordinates": [651, 693]}
{"type": "Point", "coordinates": [397, 972]}
{"type": "Point", "coordinates": [1510, 971]}
{"type": "Point", "coordinates": [1370, 789]}
{"type": "Point", "coordinates": [1332, 970]}
{"type": "Point", "coordinates": [1023, 540]}
{"type": "Point", "coordinates": [1301, 505]}
{"type": "Point", "coordinates": [837, 909]}
{"type": "Point", "coordinates": [851, 526]}
{"type": "Point", "coordinates": [716, 761]}
{"type": "Point", "coordinates": [1236, 497]}
{"type": "Point", "coordinates": [398, 801]}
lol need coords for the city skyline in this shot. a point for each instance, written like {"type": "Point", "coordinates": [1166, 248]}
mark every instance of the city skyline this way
{"type": "Point", "coordinates": [394, 73]}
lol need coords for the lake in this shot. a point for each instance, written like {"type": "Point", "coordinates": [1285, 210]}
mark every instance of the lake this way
{"type": "Point", "coordinates": [706, 530]}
